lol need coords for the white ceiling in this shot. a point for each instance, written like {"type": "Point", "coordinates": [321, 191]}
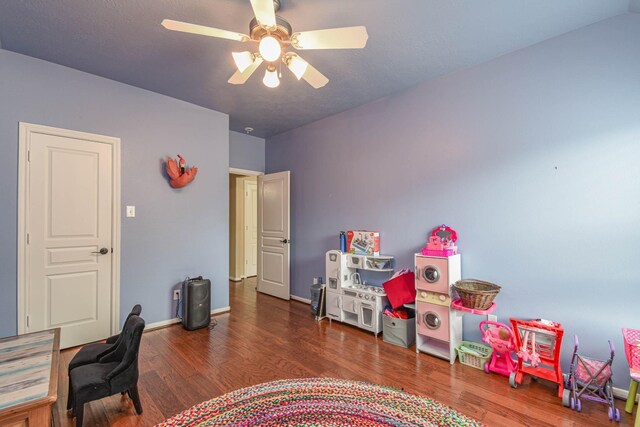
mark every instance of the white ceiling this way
{"type": "Point", "coordinates": [410, 41]}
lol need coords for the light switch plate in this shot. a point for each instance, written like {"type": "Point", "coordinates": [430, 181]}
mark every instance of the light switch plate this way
{"type": "Point", "coordinates": [131, 211]}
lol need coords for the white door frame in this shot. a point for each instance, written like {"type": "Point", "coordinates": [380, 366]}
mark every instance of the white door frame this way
{"type": "Point", "coordinates": [245, 172]}
{"type": "Point", "coordinates": [26, 129]}
{"type": "Point", "coordinates": [245, 183]}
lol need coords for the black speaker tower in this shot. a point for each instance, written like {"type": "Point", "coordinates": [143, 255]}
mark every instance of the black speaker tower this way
{"type": "Point", "coordinates": [196, 303]}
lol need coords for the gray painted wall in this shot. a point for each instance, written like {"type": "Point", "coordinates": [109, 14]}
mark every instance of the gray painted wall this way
{"type": "Point", "coordinates": [176, 232]}
{"type": "Point", "coordinates": [533, 159]}
{"type": "Point", "coordinates": [246, 151]}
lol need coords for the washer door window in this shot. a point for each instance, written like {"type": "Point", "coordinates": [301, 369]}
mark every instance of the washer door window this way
{"type": "Point", "coordinates": [431, 274]}
{"type": "Point", "coordinates": [432, 320]}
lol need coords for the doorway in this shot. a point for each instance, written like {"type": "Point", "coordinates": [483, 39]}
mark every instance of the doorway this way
{"type": "Point", "coordinates": [243, 224]}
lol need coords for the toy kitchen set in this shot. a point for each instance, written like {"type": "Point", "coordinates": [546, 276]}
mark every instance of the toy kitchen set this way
{"type": "Point", "coordinates": [349, 298]}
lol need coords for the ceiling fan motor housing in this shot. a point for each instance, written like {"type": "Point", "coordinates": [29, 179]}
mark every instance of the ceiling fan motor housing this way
{"type": "Point", "coordinates": [282, 31]}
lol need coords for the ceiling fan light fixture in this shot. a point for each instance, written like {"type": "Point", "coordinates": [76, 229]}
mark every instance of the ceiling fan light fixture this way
{"type": "Point", "coordinates": [271, 77]}
{"type": "Point", "coordinates": [270, 48]}
{"type": "Point", "coordinates": [296, 65]}
{"type": "Point", "coordinates": [243, 60]}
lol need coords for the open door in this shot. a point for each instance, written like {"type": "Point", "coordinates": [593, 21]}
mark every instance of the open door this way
{"type": "Point", "coordinates": [273, 234]}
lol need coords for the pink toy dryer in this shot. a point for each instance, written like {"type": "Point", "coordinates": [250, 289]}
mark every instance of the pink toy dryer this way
{"type": "Point", "coordinates": [500, 337]}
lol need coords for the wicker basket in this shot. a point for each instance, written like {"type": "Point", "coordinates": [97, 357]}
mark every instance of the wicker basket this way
{"type": "Point", "coordinates": [473, 354]}
{"type": "Point", "coordinates": [476, 293]}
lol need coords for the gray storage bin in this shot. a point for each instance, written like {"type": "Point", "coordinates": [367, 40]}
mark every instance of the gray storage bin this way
{"type": "Point", "coordinates": [399, 331]}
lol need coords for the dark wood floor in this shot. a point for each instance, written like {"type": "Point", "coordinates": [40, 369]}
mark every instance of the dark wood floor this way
{"type": "Point", "coordinates": [264, 338]}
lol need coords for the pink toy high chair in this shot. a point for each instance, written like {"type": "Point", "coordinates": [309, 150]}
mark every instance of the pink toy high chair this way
{"type": "Point", "coordinates": [632, 351]}
{"type": "Point", "coordinates": [500, 337]}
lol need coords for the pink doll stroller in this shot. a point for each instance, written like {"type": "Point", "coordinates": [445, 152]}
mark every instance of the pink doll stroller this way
{"type": "Point", "coordinates": [500, 337]}
{"type": "Point", "coordinates": [590, 379]}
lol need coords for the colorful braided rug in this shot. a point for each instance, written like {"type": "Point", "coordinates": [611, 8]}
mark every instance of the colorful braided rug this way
{"type": "Point", "coordinates": [319, 402]}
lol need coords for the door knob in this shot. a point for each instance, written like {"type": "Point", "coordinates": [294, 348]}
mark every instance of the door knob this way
{"type": "Point", "coordinates": [285, 241]}
{"type": "Point", "coordinates": [102, 251]}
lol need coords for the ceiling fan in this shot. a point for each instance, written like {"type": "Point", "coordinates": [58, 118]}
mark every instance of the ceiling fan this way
{"type": "Point", "coordinates": [273, 36]}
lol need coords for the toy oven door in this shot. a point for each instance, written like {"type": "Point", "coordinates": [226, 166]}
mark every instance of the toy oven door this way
{"type": "Point", "coordinates": [367, 316]}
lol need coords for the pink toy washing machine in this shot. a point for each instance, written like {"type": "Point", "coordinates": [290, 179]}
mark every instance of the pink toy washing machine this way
{"type": "Point", "coordinates": [433, 320]}
{"type": "Point", "coordinates": [433, 273]}
{"type": "Point", "coordinates": [438, 326]}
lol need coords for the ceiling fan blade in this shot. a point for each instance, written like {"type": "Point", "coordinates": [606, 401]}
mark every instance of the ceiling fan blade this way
{"type": "Point", "coordinates": [332, 38]}
{"type": "Point", "coordinates": [186, 27]}
{"type": "Point", "coordinates": [265, 12]}
{"type": "Point", "coordinates": [314, 77]}
{"type": "Point", "coordinates": [239, 78]}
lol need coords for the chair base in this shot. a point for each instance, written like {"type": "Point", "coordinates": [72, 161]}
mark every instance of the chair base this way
{"type": "Point", "coordinates": [77, 411]}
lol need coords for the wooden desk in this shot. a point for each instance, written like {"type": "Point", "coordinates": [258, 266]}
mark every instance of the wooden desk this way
{"type": "Point", "coordinates": [29, 378]}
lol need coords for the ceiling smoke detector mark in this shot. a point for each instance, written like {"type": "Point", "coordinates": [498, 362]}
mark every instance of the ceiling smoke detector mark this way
{"type": "Point", "coordinates": [248, 130]}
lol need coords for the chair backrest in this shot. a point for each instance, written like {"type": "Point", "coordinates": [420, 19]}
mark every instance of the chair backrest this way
{"type": "Point", "coordinates": [632, 346]}
{"type": "Point", "coordinates": [136, 310]}
{"type": "Point", "coordinates": [125, 352]}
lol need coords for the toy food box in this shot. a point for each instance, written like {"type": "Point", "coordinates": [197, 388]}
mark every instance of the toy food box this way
{"type": "Point", "coordinates": [362, 242]}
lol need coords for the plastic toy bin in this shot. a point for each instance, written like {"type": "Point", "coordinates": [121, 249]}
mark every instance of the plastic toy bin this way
{"type": "Point", "coordinates": [473, 354]}
{"type": "Point", "coordinates": [400, 332]}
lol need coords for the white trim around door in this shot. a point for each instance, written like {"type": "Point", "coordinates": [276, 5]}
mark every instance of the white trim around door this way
{"type": "Point", "coordinates": [25, 131]}
{"type": "Point", "coordinates": [246, 172]}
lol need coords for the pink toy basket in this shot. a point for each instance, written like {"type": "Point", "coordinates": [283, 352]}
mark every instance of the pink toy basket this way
{"type": "Point", "coordinates": [632, 350]}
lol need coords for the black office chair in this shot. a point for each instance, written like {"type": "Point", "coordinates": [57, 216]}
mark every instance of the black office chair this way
{"type": "Point", "coordinates": [91, 353]}
{"type": "Point", "coordinates": [115, 372]}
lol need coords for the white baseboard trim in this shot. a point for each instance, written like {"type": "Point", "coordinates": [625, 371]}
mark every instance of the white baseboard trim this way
{"type": "Point", "coordinates": [221, 310]}
{"type": "Point", "coordinates": [622, 394]}
{"type": "Point", "coordinates": [619, 393]}
{"type": "Point", "coordinates": [236, 279]}
{"type": "Point", "coordinates": [304, 300]}
{"type": "Point", "coordinates": [163, 323]}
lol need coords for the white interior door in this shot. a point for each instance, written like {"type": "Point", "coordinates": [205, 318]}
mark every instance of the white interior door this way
{"type": "Point", "coordinates": [250, 228]}
{"type": "Point", "coordinates": [273, 234]}
{"type": "Point", "coordinates": [69, 236]}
